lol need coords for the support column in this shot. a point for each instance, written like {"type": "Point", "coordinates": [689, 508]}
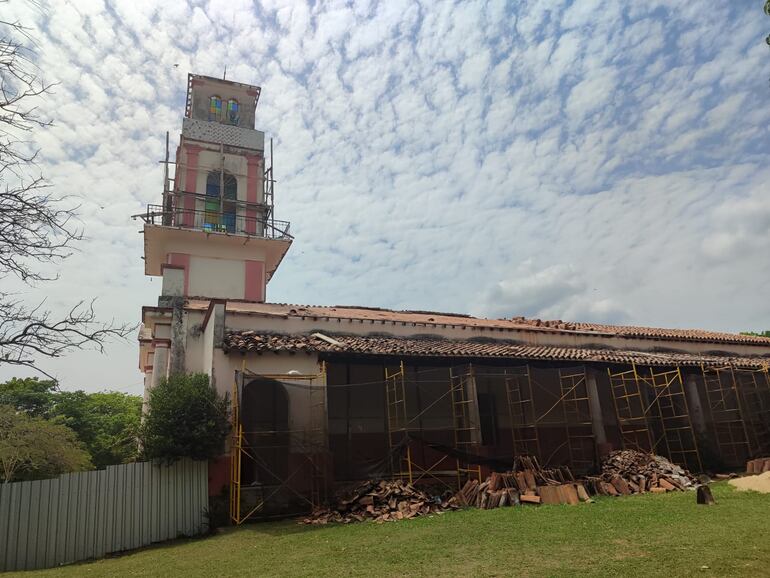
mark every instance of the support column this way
{"type": "Point", "coordinates": [697, 414]}
{"type": "Point", "coordinates": [159, 362]}
{"type": "Point", "coordinates": [597, 419]}
{"type": "Point", "coordinates": [178, 336]}
{"type": "Point", "coordinates": [473, 406]}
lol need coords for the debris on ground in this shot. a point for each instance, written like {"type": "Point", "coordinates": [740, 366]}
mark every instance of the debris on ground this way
{"type": "Point", "coordinates": [623, 472]}
{"type": "Point", "coordinates": [758, 466]}
{"type": "Point", "coordinates": [704, 496]}
{"type": "Point", "coordinates": [728, 476]}
{"type": "Point", "coordinates": [381, 501]}
{"type": "Point", "coordinates": [528, 483]}
{"type": "Point", "coordinates": [633, 472]}
{"type": "Point", "coordinates": [756, 483]}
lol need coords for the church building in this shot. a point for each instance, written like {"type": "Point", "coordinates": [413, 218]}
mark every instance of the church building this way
{"type": "Point", "coordinates": [328, 395]}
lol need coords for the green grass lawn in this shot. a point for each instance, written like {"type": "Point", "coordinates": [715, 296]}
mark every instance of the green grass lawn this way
{"type": "Point", "coordinates": [649, 535]}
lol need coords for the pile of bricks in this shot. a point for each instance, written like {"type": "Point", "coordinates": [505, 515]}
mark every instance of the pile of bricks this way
{"type": "Point", "coordinates": [758, 466]}
{"type": "Point", "coordinates": [381, 501]}
{"type": "Point", "coordinates": [633, 472]}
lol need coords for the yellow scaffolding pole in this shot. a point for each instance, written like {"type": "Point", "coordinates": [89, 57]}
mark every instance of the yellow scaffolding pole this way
{"type": "Point", "coordinates": [237, 450]}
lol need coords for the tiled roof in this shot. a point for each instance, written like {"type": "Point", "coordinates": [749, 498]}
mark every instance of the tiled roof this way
{"type": "Point", "coordinates": [251, 341]}
{"type": "Point", "coordinates": [427, 319]}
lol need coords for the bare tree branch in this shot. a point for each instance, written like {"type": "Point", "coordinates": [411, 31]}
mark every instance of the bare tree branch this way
{"type": "Point", "coordinates": [37, 228]}
{"type": "Point", "coordinates": [26, 333]}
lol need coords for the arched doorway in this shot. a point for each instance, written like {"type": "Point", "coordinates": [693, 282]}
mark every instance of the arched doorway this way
{"type": "Point", "coordinates": [265, 419]}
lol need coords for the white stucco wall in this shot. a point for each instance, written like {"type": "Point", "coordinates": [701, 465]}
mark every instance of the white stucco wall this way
{"type": "Point", "coordinates": [223, 278]}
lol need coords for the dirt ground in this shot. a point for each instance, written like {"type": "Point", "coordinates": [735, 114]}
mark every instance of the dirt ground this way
{"type": "Point", "coordinates": [758, 483]}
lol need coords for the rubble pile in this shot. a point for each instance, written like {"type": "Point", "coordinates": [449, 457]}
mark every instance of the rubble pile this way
{"type": "Point", "coordinates": [633, 472]}
{"type": "Point", "coordinates": [758, 466]}
{"type": "Point", "coordinates": [381, 501]}
{"type": "Point", "coordinates": [622, 473]}
{"type": "Point", "coordinates": [527, 484]}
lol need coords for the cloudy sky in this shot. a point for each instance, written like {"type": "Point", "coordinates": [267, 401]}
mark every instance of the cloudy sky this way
{"type": "Point", "coordinates": [589, 160]}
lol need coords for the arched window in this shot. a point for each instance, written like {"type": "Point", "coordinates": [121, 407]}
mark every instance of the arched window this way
{"type": "Point", "coordinates": [232, 111]}
{"type": "Point", "coordinates": [215, 108]}
{"type": "Point", "coordinates": [220, 216]}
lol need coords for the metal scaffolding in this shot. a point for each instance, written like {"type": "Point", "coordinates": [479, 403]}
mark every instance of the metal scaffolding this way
{"type": "Point", "coordinates": [676, 431]}
{"type": "Point", "coordinates": [569, 410]}
{"type": "Point", "coordinates": [739, 403]}
{"type": "Point", "coordinates": [465, 429]}
{"type": "Point", "coordinates": [653, 414]}
{"type": "Point", "coordinates": [305, 477]}
{"type": "Point", "coordinates": [754, 388]}
{"type": "Point", "coordinates": [521, 412]}
{"type": "Point", "coordinates": [398, 426]}
{"type": "Point", "coordinates": [578, 423]}
{"type": "Point", "coordinates": [726, 414]}
{"type": "Point", "coordinates": [630, 410]}
{"type": "Point", "coordinates": [465, 421]}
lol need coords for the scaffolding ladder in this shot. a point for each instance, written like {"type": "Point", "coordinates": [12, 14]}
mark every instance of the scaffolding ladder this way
{"type": "Point", "coordinates": [630, 410]}
{"type": "Point", "coordinates": [578, 424]}
{"type": "Point", "coordinates": [673, 412]}
{"type": "Point", "coordinates": [521, 412]}
{"type": "Point", "coordinates": [754, 388]}
{"type": "Point", "coordinates": [398, 425]}
{"type": "Point", "coordinates": [465, 425]}
{"type": "Point", "coordinates": [726, 413]}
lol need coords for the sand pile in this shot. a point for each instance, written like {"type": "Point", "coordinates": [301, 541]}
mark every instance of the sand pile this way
{"type": "Point", "coordinates": [760, 483]}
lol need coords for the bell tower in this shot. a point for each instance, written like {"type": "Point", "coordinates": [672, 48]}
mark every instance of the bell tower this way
{"type": "Point", "coordinates": [214, 235]}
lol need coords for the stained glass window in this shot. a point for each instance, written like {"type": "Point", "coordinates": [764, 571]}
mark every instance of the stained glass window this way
{"type": "Point", "coordinates": [215, 108]}
{"type": "Point", "coordinates": [220, 217]}
{"type": "Point", "coordinates": [232, 111]}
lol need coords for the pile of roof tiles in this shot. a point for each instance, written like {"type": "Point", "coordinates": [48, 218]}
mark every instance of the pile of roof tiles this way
{"type": "Point", "coordinates": [633, 472]}
{"type": "Point", "coordinates": [381, 501]}
{"type": "Point", "coordinates": [528, 483]}
{"type": "Point", "coordinates": [758, 466]}
{"type": "Point", "coordinates": [257, 342]}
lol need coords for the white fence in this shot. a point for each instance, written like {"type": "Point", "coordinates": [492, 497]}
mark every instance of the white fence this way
{"type": "Point", "coordinates": [86, 515]}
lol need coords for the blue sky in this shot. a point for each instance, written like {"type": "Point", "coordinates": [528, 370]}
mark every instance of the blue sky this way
{"type": "Point", "coordinates": [593, 161]}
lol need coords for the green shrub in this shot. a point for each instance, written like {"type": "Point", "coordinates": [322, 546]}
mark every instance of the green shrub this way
{"type": "Point", "coordinates": [185, 418]}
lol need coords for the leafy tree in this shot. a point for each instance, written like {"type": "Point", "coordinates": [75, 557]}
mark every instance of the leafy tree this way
{"type": "Point", "coordinates": [107, 423]}
{"type": "Point", "coordinates": [34, 448]}
{"type": "Point", "coordinates": [38, 228]}
{"type": "Point", "coordinates": [30, 395]}
{"type": "Point", "coordinates": [760, 333]}
{"type": "Point", "coordinates": [185, 418]}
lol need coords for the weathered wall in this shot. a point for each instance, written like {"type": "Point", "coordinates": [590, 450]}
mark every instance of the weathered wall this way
{"type": "Point", "coordinates": [238, 318]}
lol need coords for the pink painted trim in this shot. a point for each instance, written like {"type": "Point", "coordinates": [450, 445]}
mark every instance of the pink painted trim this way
{"type": "Point", "coordinates": [191, 183]}
{"type": "Point", "coordinates": [181, 260]}
{"type": "Point", "coordinates": [252, 192]}
{"type": "Point", "coordinates": [254, 289]}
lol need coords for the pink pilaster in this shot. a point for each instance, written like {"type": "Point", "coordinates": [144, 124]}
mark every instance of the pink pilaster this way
{"type": "Point", "coordinates": [190, 184]}
{"type": "Point", "coordinates": [254, 289]}
{"type": "Point", "coordinates": [252, 192]}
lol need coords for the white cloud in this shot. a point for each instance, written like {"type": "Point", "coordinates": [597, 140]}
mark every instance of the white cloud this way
{"type": "Point", "coordinates": [565, 161]}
